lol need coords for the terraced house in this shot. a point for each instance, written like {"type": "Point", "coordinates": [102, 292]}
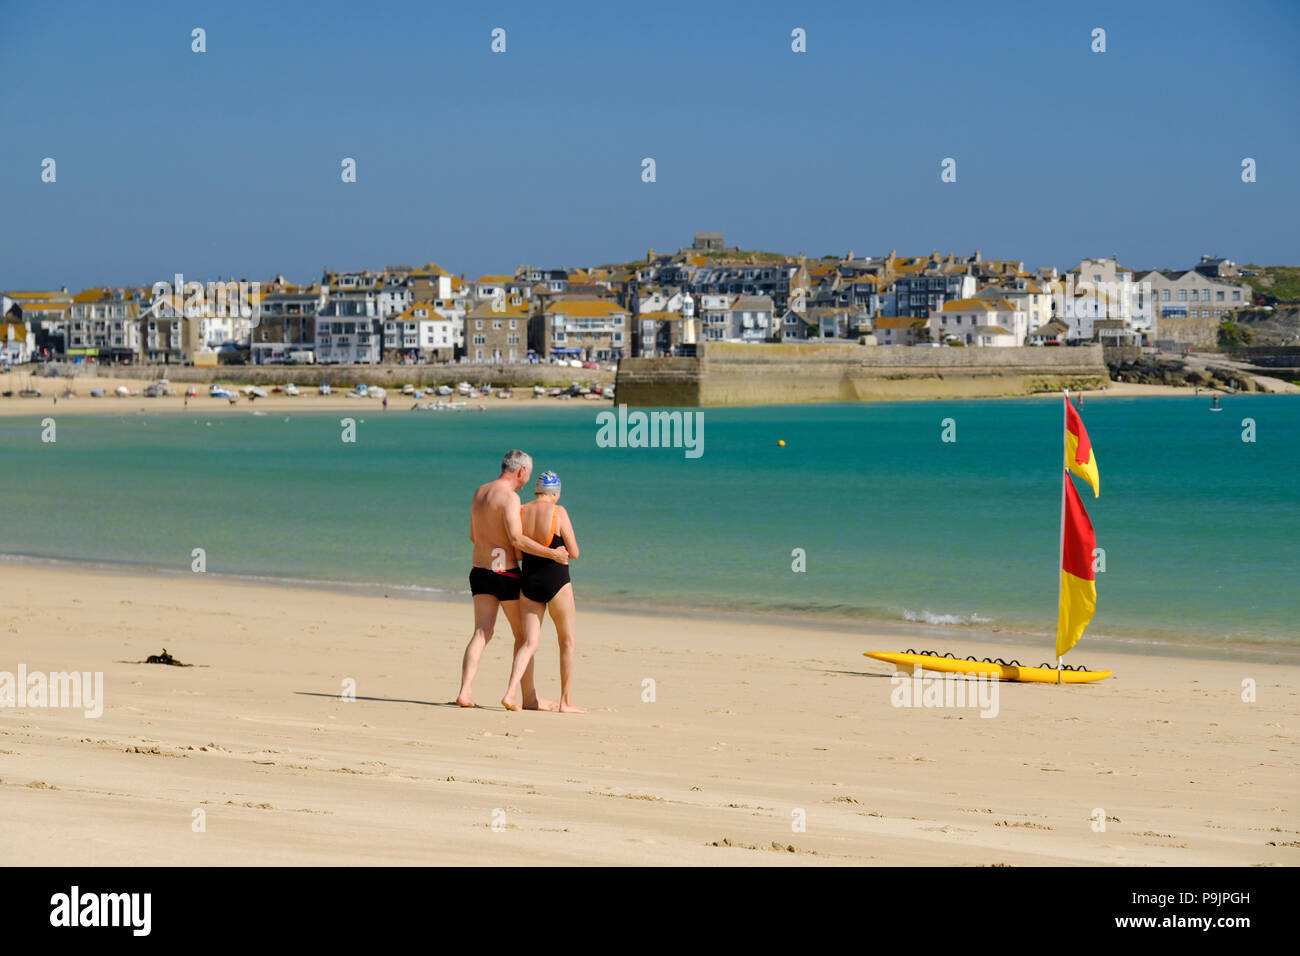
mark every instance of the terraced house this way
{"type": "Point", "coordinates": [926, 285]}
{"type": "Point", "coordinates": [752, 320]}
{"type": "Point", "coordinates": [103, 324]}
{"type": "Point", "coordinates": [497, 331]}
{"type": "Point", "coordinates": [288, 320]}
{"type": "Point", "coordinates": [715, 316]}
{"type": "Point", "coordinates": [445, 292]}
{"type": "Point", "coordinates": [348, 330]}
{"type": "Point", "coordinates": [588, 328]}
{"type": "Point", "coordinates": [47, 315]}
{"type": "Point", "coordinates": [395, 290]}
{"type": "Point", "coordinates": [775, 281]}
{"type": "Point", "coordinates": [420, 333]}
{"type": "Point", "coordinates": [162, 332]}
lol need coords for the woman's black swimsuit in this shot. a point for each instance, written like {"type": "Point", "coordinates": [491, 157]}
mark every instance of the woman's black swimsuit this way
{"type": "Point", "coordinates": [542, 578]}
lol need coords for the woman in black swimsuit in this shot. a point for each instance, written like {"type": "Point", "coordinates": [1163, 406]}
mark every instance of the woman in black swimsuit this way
{"type": "Point", "coordinates": [544, 584]}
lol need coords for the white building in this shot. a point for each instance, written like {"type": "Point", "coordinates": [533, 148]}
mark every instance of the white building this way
{"type": "Point", "coordinates": [715, 316]}
{"type": "Point", "coordinates": [15, 335]}
{"type": "Point", "coordinates": [491, 287]}
{"type": "Point", "coordinates": [420, 332]}
{"type": "Point", "coordinates": [980, 322]}
{"type": "Point", "coordinates": [657, 300]}
{"type": "Point", "coordinates": [395, 295]}
{"type": "Point", "coordinates": [103, 324]}
{"type": "Point", "coordinates": [1100, 288]}
{"type": "Point", "coordinates": [1029, 296]}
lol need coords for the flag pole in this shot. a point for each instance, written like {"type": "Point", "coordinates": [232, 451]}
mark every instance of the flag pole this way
{"type": "Point", "coordinates": [1060, 551]}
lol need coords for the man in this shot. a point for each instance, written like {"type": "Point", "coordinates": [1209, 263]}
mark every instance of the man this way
{"type": "Point", "coordinates": [498, 537]}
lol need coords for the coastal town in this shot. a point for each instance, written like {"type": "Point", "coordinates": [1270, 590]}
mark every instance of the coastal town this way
{"type": "Point", "coordinates": [663, 305]}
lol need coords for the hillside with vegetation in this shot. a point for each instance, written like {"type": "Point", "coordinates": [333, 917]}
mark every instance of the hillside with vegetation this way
{"type": "Point", "coordinates": [1281, 282]}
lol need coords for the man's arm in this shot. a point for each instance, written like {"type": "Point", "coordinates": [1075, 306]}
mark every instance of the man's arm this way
{"type": "Point", "coordinates": [521, 541]}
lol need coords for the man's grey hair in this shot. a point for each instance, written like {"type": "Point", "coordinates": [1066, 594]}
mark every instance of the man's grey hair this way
{"type": "Point", "coordinates": [516, 459]}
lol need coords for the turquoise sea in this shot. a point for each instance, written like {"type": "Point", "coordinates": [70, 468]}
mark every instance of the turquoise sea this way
{"type": "Point", "coordinates": [1201, 529]}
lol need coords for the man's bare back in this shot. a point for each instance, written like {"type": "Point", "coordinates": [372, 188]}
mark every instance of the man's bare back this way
{"type": "Point", "coordinates": [487, 525]}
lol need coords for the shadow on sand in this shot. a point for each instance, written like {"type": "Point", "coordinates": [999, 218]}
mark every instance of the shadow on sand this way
{"type": "Point", "coordinates": [383, 700]}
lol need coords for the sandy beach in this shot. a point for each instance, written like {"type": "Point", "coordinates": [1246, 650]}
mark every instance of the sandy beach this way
{"type": "Point", "coordinates": [308, 401]}
{"type": "Point", "coordinates": [311, 401]}
{"type": "Point", "coordinates": [750, 727]}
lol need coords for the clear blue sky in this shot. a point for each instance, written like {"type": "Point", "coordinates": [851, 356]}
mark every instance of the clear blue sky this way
{"type": "Point", "coordinates": [227, 162]}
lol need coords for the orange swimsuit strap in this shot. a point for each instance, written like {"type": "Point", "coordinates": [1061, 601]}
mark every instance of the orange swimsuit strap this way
{"type": "Point", "coordinates": [554, 514]}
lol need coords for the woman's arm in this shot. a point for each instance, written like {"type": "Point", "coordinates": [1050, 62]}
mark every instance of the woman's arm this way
{"type": "Point", "coordinates": [521, 541]}
{"type": "Point", "coordinates": [566, 529]}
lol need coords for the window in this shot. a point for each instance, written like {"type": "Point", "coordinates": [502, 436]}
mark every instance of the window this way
{"type": "Point", "coordinates": [478, 323]}
{"type": "Point", "coordinates": [496, 324]}
{"type": "Point", "coordinates": [1182, 295]}
{"type": "Point", "coordinates": [1164, 295]}
{"type": "Point", "coordinates": [1236, 296]}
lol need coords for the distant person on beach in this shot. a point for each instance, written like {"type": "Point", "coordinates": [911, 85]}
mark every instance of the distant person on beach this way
{"type": "Point", "coordinates": [545, 584]}
{"type": "Point", "coordinates": [497, 534]}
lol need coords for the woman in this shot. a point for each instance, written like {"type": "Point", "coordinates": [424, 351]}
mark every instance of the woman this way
{"type": "Point", "coordinates": [544, 584]}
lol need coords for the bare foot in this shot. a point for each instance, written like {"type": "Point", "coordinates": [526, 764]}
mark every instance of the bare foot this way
{"type": "Point", "coordinates": [571, 709]}
{"type": "Point", "coordinates": [508, 702]}
{"type": "Point", "coordinates": [542, 704]}
{"type": "Point", "coordinates": [465, 700]}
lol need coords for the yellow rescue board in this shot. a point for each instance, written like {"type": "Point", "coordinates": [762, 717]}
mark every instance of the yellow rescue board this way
{"type": "Point", "coordinates": [952, 665]}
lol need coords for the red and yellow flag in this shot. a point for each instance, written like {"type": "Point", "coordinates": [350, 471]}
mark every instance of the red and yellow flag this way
{"type": "Point", "coordinates": [1078, 580]}
{"type": "Point", "coordinates": [1078, 450]}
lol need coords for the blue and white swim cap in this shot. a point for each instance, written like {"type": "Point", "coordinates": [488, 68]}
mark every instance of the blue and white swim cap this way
{"type": "Point", "coordinates": [548, 483]}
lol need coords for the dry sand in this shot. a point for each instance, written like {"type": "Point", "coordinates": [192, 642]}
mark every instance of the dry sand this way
{"type": "Point", "coordinates": [750, 725]}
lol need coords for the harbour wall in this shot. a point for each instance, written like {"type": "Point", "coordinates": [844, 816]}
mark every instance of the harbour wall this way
{"type": "Point", "coordinates": [725, 373]}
